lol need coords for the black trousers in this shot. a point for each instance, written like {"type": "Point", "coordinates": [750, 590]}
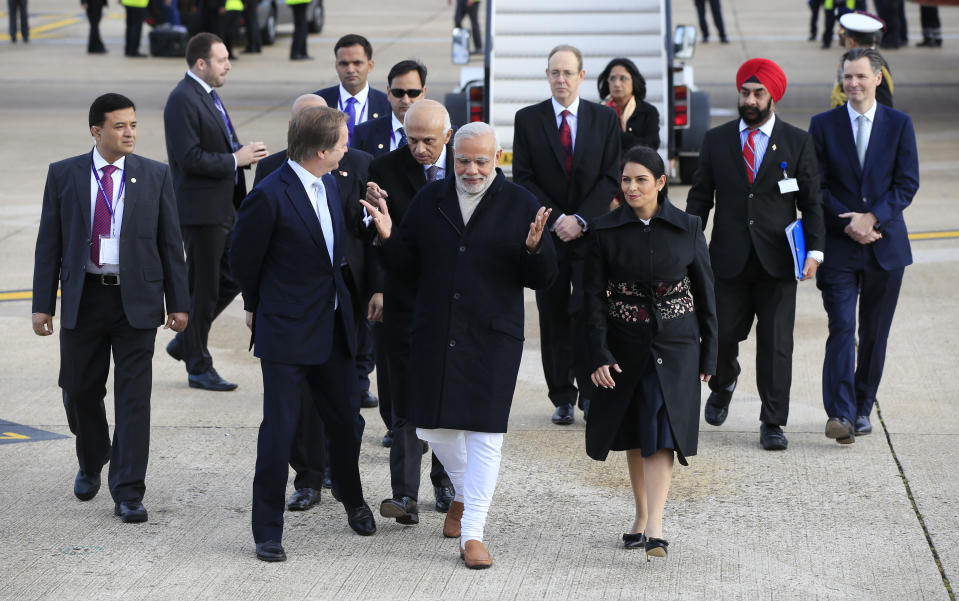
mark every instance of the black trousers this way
{"type": "Point", "coordinates": [253, 40]}
{"type": "Point", "coordinates": [212, 288]}
{"type": "Point", "coordinates": [298, 47]}
{"type": "Point", "coordinates": [229, 26]}
{"type": "Point", "coordinates": [135, 17]}
{"type": "Point", "coordinates": [380, 353]}
{"type": "Point", "coordinates": [331, 388]}
{"type": "Point", "coordinates": [814, 6]}
{"type": "Point", "coordinates": [94, 14]}
{"type": "Point", "coordinates": [929, 17]}
{"type": "Point", "coordinates": [562, 331]}
{"type": "Point", "coordinates": [14, 6]}
{"type": "Point", "coordinates": [463, 8]}
{"type": "Point", "coordinates": [102, 328]}
{"type": "Point", "coordinates": [891, 11]}
{"type": "Point", "coordinates": [772, 302]}
{"type": "Point", "coordinates": [717, 17]}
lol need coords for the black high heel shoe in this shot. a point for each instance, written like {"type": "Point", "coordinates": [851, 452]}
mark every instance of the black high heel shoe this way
{"type": "Point", "coordinates": [634, 541]}
{"type": "Point", "coordinates": [656, 547]}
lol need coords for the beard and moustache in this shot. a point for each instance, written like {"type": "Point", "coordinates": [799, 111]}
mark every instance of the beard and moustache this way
{"type": "Point", "coordinates": [754, 116]}
{"type": "Point", "coordinates": [477, 188]}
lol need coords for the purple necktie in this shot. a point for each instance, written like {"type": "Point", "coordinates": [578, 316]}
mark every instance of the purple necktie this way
{"type": "Point", "coordinates": [350, 115]}
{"type": "Point", "coordinates": [234, 145]}
{"type": "Point", "coordinates": [101, 216]}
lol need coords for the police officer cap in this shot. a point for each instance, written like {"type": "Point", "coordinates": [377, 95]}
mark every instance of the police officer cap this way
{"type": "Point", "coordinates": [861, 22]}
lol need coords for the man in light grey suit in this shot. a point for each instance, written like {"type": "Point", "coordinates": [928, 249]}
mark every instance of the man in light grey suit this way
{"type": "Point", "coordinates": [110, 237]}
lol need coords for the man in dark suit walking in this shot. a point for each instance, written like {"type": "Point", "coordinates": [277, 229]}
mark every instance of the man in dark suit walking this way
{"type": "Point", "coordinates": [109, 238]}
{"type": "Point", "coordinates": [354, 96]}
{"type": "Point", "coordinates": [757, 170]}
{"type": "Point", "coordinates": [206, 157]}
{"type": "Point", "coordinates": [308, 455]}
{"type": "Point", "coordinates": [566, 152]}
{"type": "Point", "coordinates": [869, 171]}
{"type": "Point", "coordinates": [288, 249]}
{"type": "Point", "coordinates": [407, 84]}
{"type": "Point", "coordinates": [396, 178]}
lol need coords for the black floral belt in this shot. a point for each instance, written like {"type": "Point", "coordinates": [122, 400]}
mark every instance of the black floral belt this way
{"type": "Point", "coordinates": [639, 302]}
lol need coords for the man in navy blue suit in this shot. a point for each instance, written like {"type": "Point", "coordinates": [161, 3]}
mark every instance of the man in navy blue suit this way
{"type": "Point", "coordinates": [407, 84]}
{"type": "Point", "coordinates": [354, 96]}
{"type": "Point", "coordinates": [869, 170]}
{"type": "Point", "coordinates": [289, 246]}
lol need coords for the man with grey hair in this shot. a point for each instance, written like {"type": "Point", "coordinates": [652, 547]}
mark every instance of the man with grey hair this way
{"type": "Point", "coordinates": [395, 178]}
{"type": "Point", "coordinates": [566, 152]}
{"type": "Point", "coordinates": [467, 246]}
{"type": "Point", "coordinates": [299, 307]}
{"type": "Point", "coordinates": [309, 455]}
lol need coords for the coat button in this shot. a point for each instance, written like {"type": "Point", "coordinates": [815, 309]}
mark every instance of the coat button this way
{"type": "Point", "coordinates": [462, 249]}
{"type": "Point", "coordinates": [456, 296]}
{"type": "Point", "coordinates": [750, 195]}
{"type": "Point", "coordinates": [452, 343]}
{"type": "Point", "coordinates": [659, 360]}
{"type": "Point", "coordinates": [864, 199]}
{"type": "Point", "coordinates": [751, 221]}
{"type": "Point", "coordinates": [646, 229]}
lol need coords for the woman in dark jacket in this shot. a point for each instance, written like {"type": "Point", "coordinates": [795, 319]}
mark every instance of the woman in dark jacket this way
{"type": "Point", "coordinates": [623, 88]}
{"type": "Point", "coordinates": [652, 322]}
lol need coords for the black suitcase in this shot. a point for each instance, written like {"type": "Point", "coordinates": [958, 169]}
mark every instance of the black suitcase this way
{"type": "Point", "coordinates": [168, 42]}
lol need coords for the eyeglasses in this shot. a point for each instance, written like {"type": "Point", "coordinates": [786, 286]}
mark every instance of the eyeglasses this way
{"type": "Point", "coordinates": [400, 92]}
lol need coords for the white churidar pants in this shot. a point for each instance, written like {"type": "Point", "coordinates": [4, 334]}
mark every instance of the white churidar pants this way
{"type": "Point", "coordinates": [472, 461]}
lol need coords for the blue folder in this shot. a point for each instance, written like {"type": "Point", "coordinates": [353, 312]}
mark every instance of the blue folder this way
{"type": "Point", "coordinates": [797, 246]}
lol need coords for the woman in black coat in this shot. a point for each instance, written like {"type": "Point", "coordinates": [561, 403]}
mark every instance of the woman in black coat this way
{"type": "Point", "coordinates": [622, 87]}
{"type": "Point", "coordinates": [652, 322]}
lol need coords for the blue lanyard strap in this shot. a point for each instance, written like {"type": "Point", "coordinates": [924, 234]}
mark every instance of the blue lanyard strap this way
{"type": "Point", "coordinates": [108, 200]}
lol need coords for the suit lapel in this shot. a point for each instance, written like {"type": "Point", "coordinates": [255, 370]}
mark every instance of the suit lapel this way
{"type": "Point", "coordinates": [334, 204]}
{"type": "Point", "coordinates": [207, 101]}
{"type": "Point", "coordinates": [414, 172]}
{"type": "Point", "coordinates": [876, 138]}
{"type": "Point", "coordinates": [584, 123]}
{"type": "Point", "coordinates": [301, 203]}
{"type": "Point", "coordinates": [449, 206]}
{"type": "Point", "coordinates": [81, 183]}
{"type": "Point", "coordinates": [548, 119]}
{"type": "Point", "coordinates": [736, 152]}
{"type": "Point", "coordinates": [769, 157]}
{"type": "Point", "coordinates": [131, 191]}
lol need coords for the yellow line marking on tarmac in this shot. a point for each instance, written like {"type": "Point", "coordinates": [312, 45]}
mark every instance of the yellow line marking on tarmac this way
{"type": "Point", "coordinates": [62, 22]}
{"type": "Point", "coordinates": [14, 436]}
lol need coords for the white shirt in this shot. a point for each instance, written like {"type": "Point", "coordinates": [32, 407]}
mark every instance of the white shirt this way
{"type": "Point", "coordinates": [573, 109]}
{"type": "Point", "coordinates": [99, 163]}
{"type": "Point", "coordinates": [440, 163]}
{"type": "Point", "coordinates": [396, 137]}
{"type": "Point", "coordinates": [870, 116]}
{"type": "Point", "coordinates": [361, 107]}
{"type": "Point", "coordinates": [207, 88]}
{"type": "Point", "coordinates": [316, 192]}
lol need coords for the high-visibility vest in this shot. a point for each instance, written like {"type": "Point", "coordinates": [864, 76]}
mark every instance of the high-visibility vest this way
{"type": "Point", "coordinates": [135, 3]}
{"type": "Point", "coordinates": [234, 4]}
{"type": "Point", "coordinates": [292, 2]}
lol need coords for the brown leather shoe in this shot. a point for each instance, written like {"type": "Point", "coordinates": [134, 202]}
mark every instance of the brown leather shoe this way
{"type": "Point", "coordinates": [475, 556]}
{"type": "Point", "coordinates": [451, 526]}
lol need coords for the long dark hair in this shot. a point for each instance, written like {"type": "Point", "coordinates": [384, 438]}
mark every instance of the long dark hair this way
{"type": "Point", "coordinates": [639, 82]}
{"type": "Point", "coordinates": [650, 159]}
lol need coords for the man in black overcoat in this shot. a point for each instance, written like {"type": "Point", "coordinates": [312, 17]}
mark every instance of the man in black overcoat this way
{"type": "Point", "coordinates": [468, 245]}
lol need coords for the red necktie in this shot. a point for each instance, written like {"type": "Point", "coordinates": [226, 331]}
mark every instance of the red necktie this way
{"type": "Point", "coordinates": [749, 157]}
{"type": "Point", "coordinates": [101, 216]}
{"type": "Point", "coordinates": [566, 139]}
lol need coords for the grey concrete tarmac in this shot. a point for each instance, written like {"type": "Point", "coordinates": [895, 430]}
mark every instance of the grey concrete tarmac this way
{"type": "Point", "coordinates": [819, 521]}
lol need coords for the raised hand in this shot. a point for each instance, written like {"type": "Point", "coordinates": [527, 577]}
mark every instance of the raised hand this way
{"type": "Point", "coordinates": [535, 235]}
{"type": "Point", "coordinates": [381, 217]}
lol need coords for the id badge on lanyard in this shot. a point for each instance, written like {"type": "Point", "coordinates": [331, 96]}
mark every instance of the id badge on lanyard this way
{"type": "Point", "coordinates": [787, 184]}
{"type": "Point", "coordinates": [110, 245]}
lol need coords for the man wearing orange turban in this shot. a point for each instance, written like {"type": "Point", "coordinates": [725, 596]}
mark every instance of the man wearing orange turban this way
{"type": "Point", "coordinates": [757, 171]}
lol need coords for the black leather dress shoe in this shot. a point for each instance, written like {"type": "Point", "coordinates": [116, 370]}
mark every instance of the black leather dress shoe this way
{"type": "Point", "coordinates": [634, 541]}
{"type": "Point", "coordinates": [175, 348]}
{"type": "Point", "coordinates": [135, 55]}
{"type": "Point", "coordinates": [86, 486]}
{"type": "Point", "coordinates": [131, 512]}
{"type": "Point", "coordinates": [563, 416]}
{"type": "Point", "coordinates": [210, 380]}
{"type": "Point", "coordinates": [841, 430]}
{"type": "Point", "coordinates": [772, 437]}
{"type": "Point", "coordinates": [444, 496]}
{"type": "Point", "coordinates": [303, 498]}
{"type": "Point", "coordinates": [584, 405]}
{"type": "Point", "coordinates": [300, 57]}
{"type": "Point", "coordinates": [360, 519]}
{"type": "Point", "coordinates": [387, 439]}
{"type": "Point", "coordinates": [863, 425]}
{"type": "Point", "coordinates": [367, 400]}
{"type": "Point", "coordinates": [97, 51]}
{"type": "Point", "coordinates": [270, 551]}
{"type": "Point", "coordinates": [717, 405]}
{"type": "Point", "coordinates": [656, 547]}
{"type": "Point", "coordinates": [402, 509]}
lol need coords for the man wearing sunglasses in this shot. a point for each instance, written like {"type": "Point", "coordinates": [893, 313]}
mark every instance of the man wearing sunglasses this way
{"type": "Point", "coordinates": [407, 84]}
